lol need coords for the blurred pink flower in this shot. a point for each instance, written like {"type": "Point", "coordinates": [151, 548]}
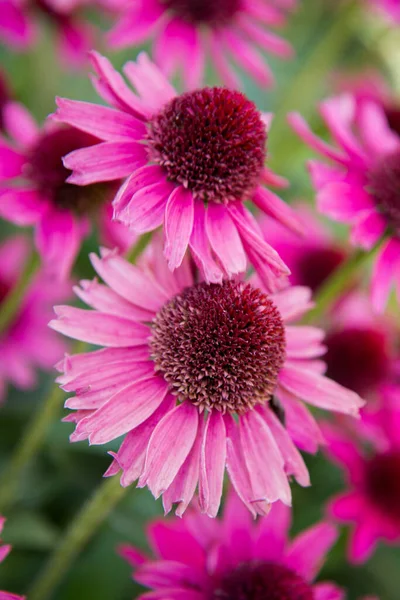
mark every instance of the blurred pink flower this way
{"type": "Point", "coordinates": [361, 187]}
{"type": "Point", "coordinates": [371, 461]}
{"type": "Point", "coordinates": [4, 551]}
{"type": "Point", "coordinates": [390, 8]}
{"type": "Point", "coordinates": [27, 343]}
{"type": "Point", "coordinates": [234, 558]}
{"type": "Point", "coordinates": [311, 258]}
{"type": "Point", "coordinates": [18, 26]}
{"type": "Point", "coordinates": [196, 377]}
{"type": "Point", "coordinates": [190, 162]}
{"type": "Point", "coordinates": [186, 32]}
{"type": "Point", "coordinates": [5, 96]}
{"type": "Point", "coordinates": [35, 191]}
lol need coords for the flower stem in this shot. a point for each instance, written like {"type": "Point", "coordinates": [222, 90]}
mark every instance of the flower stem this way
{"type": "Point", "coordinates": [12, 302]}
{"type": "Point", "coordinates": [339, 282]}
{"type": "Point", "coordinates": [31, 442]}
{"type": "Point", "coordinates": [85, 524]}
{"type": "Point", "coordinates": [137, 249]}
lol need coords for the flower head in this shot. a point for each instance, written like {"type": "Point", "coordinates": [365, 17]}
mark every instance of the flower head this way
{"type": "Point", "coordinates": [190, 161]}
{"type": "Point", "coordinates": [18, 26]}
{"type": "Point", "coordinates": [4, 551]}
{"type": "Point", "coordinates": [26, 343]}
{"type": "Point", "coordinates": [197, 377]}
{"type": "Point", "coordinates": [186, 31]}
{"type": "Point", "coordinates": [234, 558]}
{"type": "Point", "coordinates": [362, 187]}
{"type": "Point", "coordinates": [35, 190]}
{"type": "Point", "coordinates": [371, 461]}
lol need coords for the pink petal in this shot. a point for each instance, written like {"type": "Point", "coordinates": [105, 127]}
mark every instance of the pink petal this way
{"type": "Point", "coordinates": [224, 239]}
{"type": "Point", "coordinates": [193, 56]}
{"type": "Point", "coordinates": [152, 86]}
{"type": "Point", "coordinates": [124, 411]}
{"type": "Point", "coordinates": [146, 209]}
{"type": "Point", "coordinates": [293, 302]}
{"type": "Point", "coordinates": [11, 161]}
{"type": "Point", "coordinates": [276, 208]}
{"type": "Point", "coordinates": [319, 390]}
{"type": "Point", "coordinates": [303, 341]}
{"type": "Point", "coordinates": [212, 466]}
{"type": "Point", "coordinates": [143, 177]}
{"type": "Point", "coordinates": [171, 540]}
{"type": "Point", "coordinates": [347, 507]}
{"type": "Point", "coordinates": [308, 550]}
{"type": "Point", "coordinates": [15, 27]}
{"type": "Point", "coordinates": [168, 574]}
{"type": "Point", "coordinates": [385, 270]}
{"type": "Point", "coordinates": [200, 247]}
{"type": "Point", "coordinates": [19, 123]}
{"type": "Point", "coordinates": [169, 445]}
{"type": "Point", "coordinates": [302, 129]}
{"type": "Point", "coordinates": [265, 39]}
{"type": "Point", "coordinates": [179, 216]}
{"type": "Point", "coordinates": [339, 114]}
{"type": "Point", "coordinates": [136, 25]}
{"type": "Point", "coordinates": [342, 201]}
{"type": "Point", "coordinates": [97, 328]}
{"type": "Point", "coordinates": [328, 591]}
{"type": "Point", "coordinates": [22, 207]}
{"type": "Point", "coordinates": [248, 58]}
{"type": "Point", "coordinates": [363, 541]}
{"type": "Point", "coordinates": [368, 229]}
{"type": "Point", "coordinates": [222, 66]}
{"type": "Point", "coordinates": [300, 424]}
{"type": "Point", "coordinates": [272, 534]}
{"type": "Point", "coordinates": [376, 133]}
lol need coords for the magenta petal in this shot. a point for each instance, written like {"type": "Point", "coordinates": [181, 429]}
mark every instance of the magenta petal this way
{"type": "Point", "coordinates": [308, 550]}
{"type": "Point", "coordinates": [11, 161]}
{"type": "Point", "coordinates": [169, 445]}
{"type": "Point", "coordinates": [273, 533]}
{"type": "Point", "coordinates": [21, 206]}
{"type": "Point", "coordinates": [368, 229]}
{"type": "Point", "coordinates": [168, 574]}
{"type": "Point", "coordinates": [328, 591]}
{"type": "Point", "coordinates": [127, 409]}
{"type": "Point", "coordinates": [143, 177]}
{"type": "Point", "coordinates": [19, 124]}
{"type": "Point", "coordinates": [363, 541]}
{"type": "Point", "coordinates": [224, 239]}
{"type": "Point", "coordinates": [276, 208]}
{"type": "Point", "coordinates": [386, 269]}
{"type": "Point", "coordinates": [200, 248]}
{"type": "Point", "coordinates": [247, 57]}
{"type": "Point", "coordinates": [212, 465]}
{"type": "Point", "coordinates": [146, 209]}
{"type": "Point", "coordinates": [179, 216]}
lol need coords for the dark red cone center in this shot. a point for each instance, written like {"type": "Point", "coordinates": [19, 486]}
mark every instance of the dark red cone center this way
{"type": "Point", "coordinates": [357, 358]}
{"type": "Point", "coordinates": [383, 483]}
{"type": "Point", "coordinates": [211, 12]}
{"type": "Point", "coordinates": [221, 346]}
{"type": "Point", "coordinates": [211, 141]}
{"type": "Point", "coordinates": [262, 581]}
{"type": "Point", "coordinates": [384, 184]}
{"type": "Point", "coordinates": [316, 265]}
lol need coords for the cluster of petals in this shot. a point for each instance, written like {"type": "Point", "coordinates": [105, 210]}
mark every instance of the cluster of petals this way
{"type": "Point", "coordinates": [199, 559]}
{"type": "Point", "coordinates": [219, 234]}
{"type": "Point", "coordinates": [369, 455]}
{"type": "Point", "coordinates": [4, 551]}
{"type": "Point", "coordinates": [170, 445]}
{"type": "Point", "coordinates": [26, 343]}
{"type": "Point", "coordinates": [186, 33]}
{"type": "Point", "coordinates": [358, 186]}
{"type": "Point", "coordinates": [31, 176]}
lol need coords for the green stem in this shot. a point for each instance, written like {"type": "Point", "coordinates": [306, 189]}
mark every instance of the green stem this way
{"type": "Point", "coordinates": [82, 528]}
{"type": "Point", "coordinates": [31, 442]}
{"type": "Point", "coordinates": [133, 253]}
{"type": "Point", "coordinates": [339, 282]}
{"type": "Point", "coordinates": [12, 302]}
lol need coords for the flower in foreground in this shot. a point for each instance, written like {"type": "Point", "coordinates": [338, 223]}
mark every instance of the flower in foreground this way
{"type": "Point", "coordinates": [190, 162]}
{"type": "Point", "coordinates": [4, 551]}
{"type": "Point", "coordinates": [361, 186]}
{"type": "Point", "coordinates": [26, 342]}
{"type": "Point", "coordinates": [234, 558]}
{"type": "Point", "coordinates": [197, 377]}
{"type": "Point", "coordinates": [186, 31]}
{"type": "Point", "coordinates": [35, 190]}
{"type": "Point", "coordinates": [371, 462]}
{"type": "Point", "coordinates": [19, 24]}
{"type": "Point", "coordinates": [313, 258]}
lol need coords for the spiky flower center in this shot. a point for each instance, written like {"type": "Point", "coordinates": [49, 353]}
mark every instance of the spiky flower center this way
{"type": "Point", "coordinates": [392, 113]}
{"type": "Point", "coordinates": [47, 172]}
{"type": "Point", "coordinates": [210, 12]}
{"type": "Point", "coordinates": [220, 346]}
{"type": "Point", "coordinates": [212, 141]}
{"type": "Point", "coordinates": [383, 483]}
{"type": "Point", "coordinates": [357, 358]}
{"type": "Point", "coordinates": [317, 264]}
{"type": "Point", "coordinates": [262, 581]}
{"type": "Point", "coordinates": [384, 184]}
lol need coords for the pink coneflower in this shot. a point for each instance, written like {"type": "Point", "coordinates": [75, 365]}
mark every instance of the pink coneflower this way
{"type": "Point", "coordinates": [4, 551]}
{"type": "Point", "coordinates": [371, 462]}
{"type": "Point", "coordinates": [362, 185]}
{"type": "Point", "coordinates": [312, 259]}
{"type": "Point", "coordinates": [186, 32]}
{"type": "Point", "coordinates": [35, 190]}
{"type": "Point", "coordinates": [18, 26]}
{"type": "Point", "coordinates": [26, 343]}
{"type": "Point", "coordinates": [234, 558]}
{"type": "Point", "coordinates": [197, 377]}
{"type": "Point", "coordinates": [190, 162]}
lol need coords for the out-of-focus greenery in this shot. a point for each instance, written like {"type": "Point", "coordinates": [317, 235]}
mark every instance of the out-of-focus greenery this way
{"type": "Point", "coordinates": [328, 36]}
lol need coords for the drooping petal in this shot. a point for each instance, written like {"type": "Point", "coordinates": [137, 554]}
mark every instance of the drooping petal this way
{"type": "Point", "coordinates": [212, 464]}
{"type": "Point", "coordinates": [179, 215]}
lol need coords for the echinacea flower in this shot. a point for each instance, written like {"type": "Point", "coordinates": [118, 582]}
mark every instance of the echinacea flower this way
{"type": "Point", "coordinates": [4, 551]}
{"type": "Point", "coordinates": [234, 558]}
{"type": "Point", "coordinates": [190, 161]}
{"type": "Point", "coordinates": [197, 377]}
{"type": "Point", "coordinates": [186, 32]}
{"type": "Point", "coordinates": [361, 185]}
{"type": "Point", "coordinates": [312, 258]}
{"type": "Point", "coordinates": [18, 26]}
{"type": "Point", "coordinates": [26, 342]}
{"type": "Point", "coordinates": [35, 190]}
{"type": "Point", "coordinates": [371, 462]}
